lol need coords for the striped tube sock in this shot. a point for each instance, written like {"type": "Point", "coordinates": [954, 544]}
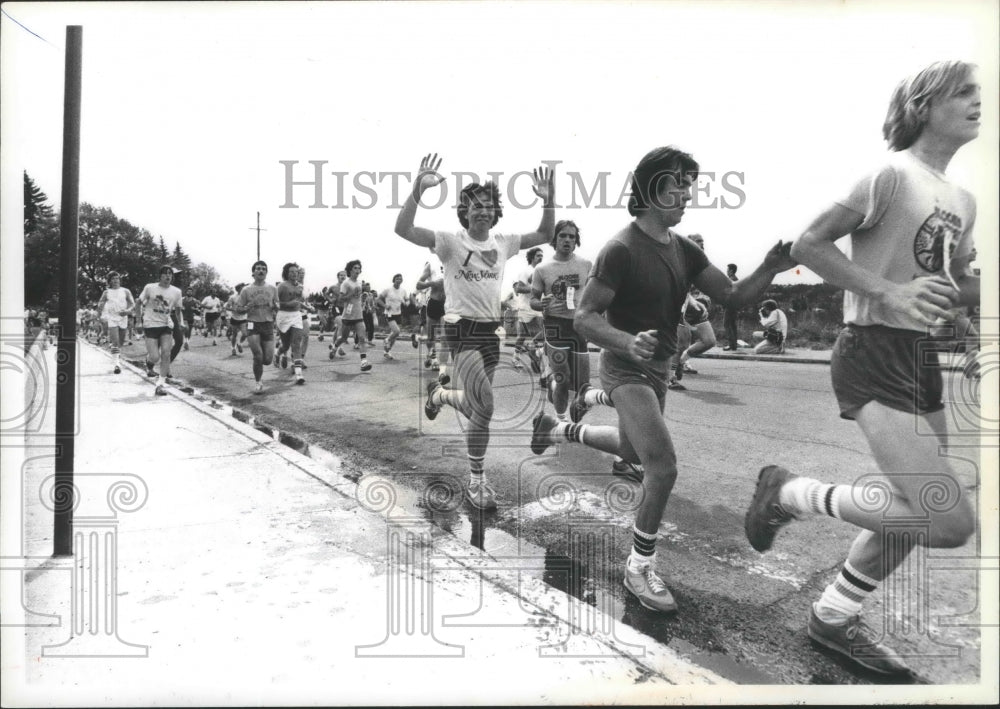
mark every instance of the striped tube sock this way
{"type": "Point", "coordinates": [805, 495]}
{"type": "Point", "coordinates": [115, 354]}
{"type": "Point", "coordinates": [476, 468]}
{"type": "Point", "coordinates": [643, 548]}
{"type": "Point", "coordinates": [596, 396]}
{"type": "Point", "coordinates": [572, 432]}
{"type": "Point", "coordinates": [843, 598]}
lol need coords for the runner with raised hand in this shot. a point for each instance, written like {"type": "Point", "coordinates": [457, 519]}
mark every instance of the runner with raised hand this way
{"type": "Point", "coordinates": [474, 259]}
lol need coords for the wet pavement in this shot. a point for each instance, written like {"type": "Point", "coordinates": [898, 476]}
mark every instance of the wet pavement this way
{"type": "Point", "coordinates": [565, 520]}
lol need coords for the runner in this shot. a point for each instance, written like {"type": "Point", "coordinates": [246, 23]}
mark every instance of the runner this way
{"type": "Point", "coordinates": [555, 287]}
{"type": "Point", "coordinates": [529, 320]}
{"type": "Point", "coordinates": [237, 322]}
{"type": "Point", "coordinates": [335, 302]}
{"type": "Point", "coordinates": [115, 304]}
{"type": "Point", "coordinates": [259, 303]}
{"type": "Point", "coordinates": [697, 311]}
{"type": "Point", "coordinates": [158, 310]}
{"type": "Point", "coordinates": [368, 313]}
{"type": "Point", "coordinates": [350, 295]}
{"type": "Point", "coordinates": [392, 300]}
{"type": "Point", "coordinates": [638, 283]}
{"type": "Point", "coordinates": [289, 319]}
{"type": "Point", "coordinates": [434, 287]}
{"type": "Point", "coordinates": [911, 244]}
{"type": "Point", "coordinates": [307, 308]}
{"type": "Point", "coordinates": [191, 307]}
{"type": "Point", "coordinates": [474, 261]}
{"type": "Point", "coordinates": [212, 308]}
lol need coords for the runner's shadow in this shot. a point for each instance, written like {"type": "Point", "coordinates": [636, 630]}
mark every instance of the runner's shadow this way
{"type": "Point", "coordinates": [712, 397]}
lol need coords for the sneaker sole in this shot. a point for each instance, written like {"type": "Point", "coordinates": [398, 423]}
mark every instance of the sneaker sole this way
{"type": "Point", "coordinates": [537, 446]}
{"type": "Point", "coordinates": [761, 540]}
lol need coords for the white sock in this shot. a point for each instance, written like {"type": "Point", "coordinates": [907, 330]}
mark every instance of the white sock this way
{"type": "Point", "coordinates": [805, 495]}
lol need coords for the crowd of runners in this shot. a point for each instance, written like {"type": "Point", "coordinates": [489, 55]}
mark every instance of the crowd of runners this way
{"type": "Point", "coordinates": [644, 302]}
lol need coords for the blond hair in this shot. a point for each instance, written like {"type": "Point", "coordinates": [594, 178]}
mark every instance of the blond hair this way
{"type": "Point", "coordinates": [910, 102]}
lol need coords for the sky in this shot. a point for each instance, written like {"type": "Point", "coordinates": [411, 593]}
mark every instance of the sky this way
{"type": "Point", "coordinates": [190, 110]}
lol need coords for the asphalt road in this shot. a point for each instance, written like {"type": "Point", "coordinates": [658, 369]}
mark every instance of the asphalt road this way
{"type": "Point", "coordinates": [562, 516]}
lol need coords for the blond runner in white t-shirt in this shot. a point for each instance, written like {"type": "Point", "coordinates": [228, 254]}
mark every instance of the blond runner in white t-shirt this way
{"type": "Point", "coordinates": [474, 259]}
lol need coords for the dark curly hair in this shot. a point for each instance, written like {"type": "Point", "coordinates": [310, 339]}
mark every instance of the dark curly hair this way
{"type": "Point", "coordinates": [476, 191]}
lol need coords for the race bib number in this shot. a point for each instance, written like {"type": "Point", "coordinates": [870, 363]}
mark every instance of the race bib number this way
{"type": "Point", "coordinates": [249, 326]}
{"type": "Point", "coordinates": [571, 298]}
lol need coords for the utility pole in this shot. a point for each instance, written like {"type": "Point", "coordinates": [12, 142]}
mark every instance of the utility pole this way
{"type": "Point", "coordinates": [66, 360]}
{"type": "Point", "coordinates": [259, 230]}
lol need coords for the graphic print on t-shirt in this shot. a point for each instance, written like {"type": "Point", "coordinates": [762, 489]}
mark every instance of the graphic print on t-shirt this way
{"type": "Point", "coordinates": [562, 283]}
{"type": "Point", "coordinates": [486, 271]}
{"type": "Point", "coordinates": [940, 228]}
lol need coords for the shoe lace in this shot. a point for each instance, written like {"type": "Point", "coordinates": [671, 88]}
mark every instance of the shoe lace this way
{"type": "Point", "coordinates": [781, 516]}
{"type": "Point", "coordinates": [654, 582]}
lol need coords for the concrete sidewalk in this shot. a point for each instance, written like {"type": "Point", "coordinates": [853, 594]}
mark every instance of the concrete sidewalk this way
{"type": "Point", "coordinates": [215, 565]}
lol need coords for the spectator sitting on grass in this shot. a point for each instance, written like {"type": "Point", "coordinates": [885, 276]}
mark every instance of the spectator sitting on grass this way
{"type": "Point", "coordinates": [775, 325]}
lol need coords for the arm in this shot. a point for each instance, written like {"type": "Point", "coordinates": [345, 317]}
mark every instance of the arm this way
{"type": "Point", "coordinates": [734, 294]}
{"type": "Point", "coordinates": [427, 177]}
{"type": "Point", "coordinates": [102, 301]}
{"type": "Point", "coordinates": [589, 321]}
{"type": "Point", "coordinates": [545, 187]}
{"type": "Point", "coordinates": [968, 284]}
{"type": "Point", "coordinates": [539, 300]}
{"type": "Point", "coordinates": [924, 299]}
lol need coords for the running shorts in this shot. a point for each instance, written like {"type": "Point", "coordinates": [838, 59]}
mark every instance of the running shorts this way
{"type": "Point", "coordinates": [288, 319]}
{"type": "Point", "coordinates": [155, 333]}
{"type": "Point", "coordinates": [470, 335]}
{"type": "Point", "coordinates": [616, 370]}
{"type": "Point", "coordinates": [211, 317]}
{"type": "Point", "coordinates": [897, 368]}
{"type": "Point", "coordinates": [263, 330]}
{"type": "Point", "coordinates": [559, 332]}
{"type": "Point", "coordinates": [435, 309]}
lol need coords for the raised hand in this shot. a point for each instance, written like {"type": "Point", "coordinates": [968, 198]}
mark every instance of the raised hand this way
{"type": "Point", "coordinates": [926, 299]}
{"type": "Point", "coordinates": [428, 176]}
{"type": "Point", "coordinates": [779, 257]}
{"type": "Point", "coordinates": [544, 183]}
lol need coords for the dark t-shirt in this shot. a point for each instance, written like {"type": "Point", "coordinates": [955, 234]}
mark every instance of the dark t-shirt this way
{"type": "Point", "coordinates": [650, 281]}
{"type": "Point", "coordinates": [190, 306]}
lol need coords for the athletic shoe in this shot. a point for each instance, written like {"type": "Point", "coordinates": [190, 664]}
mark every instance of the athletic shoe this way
{"type": "Point", "coordinates": [579, 407]}
{"type": "Point", "coordinates": [366, 366]}
{"type": "Point", "coordinates": [728, 349]}
{"type": "Point", "coordinates": [650, 589]}
{"type": "Point", "coordinates": [160, 391]}
{"type": "Point", "coordinates": [320, 338]}
{"type": "Point", "coordinates": [413, 340]}
{"type": "Point", "coordinates": [427, 363]}
{"type": "Point", "coordinates": [766, 515]}
{"type": "Point", "coordinates": [541, 425]}
{"type": "Point", "coordinates": [341, 353]}
{"type": "Point", "coordinates": [186, 346]}
{"type": "Point", "coordinates": [258, 388]}
{"type": "Point", "coordinates": [386, 355]}
{"type": "Point", "coordinates": [481, 495]}
{"type": "Point", "coordinates": [629, 471]}
{"type": "Point", "coordinates": [170, 379]}
{"type": "Point", "coordinates": [444, 379]}
{"type": "Point", "coordinates": [536, 362]}
{"type": "Point", "coordinates": [855, 640]}
{"type": "Point", "coordinates": [431, 409]}
{"type": "Point", "coordinates": [233, 354]}
{"type": "Point", "coordinates": [515, 362]}
{"type": "Point", "coordinates": [688, 369]}
{"type": "Point", "coordinates": [150, 372]}
{"type": "Point", "coordinates": [355, 347]}
{"type": "Point", "coordinates": [305, 366]}
{"type": "Point", "coordinates": [284, 361]}
{"type": "Point", "coordinates": [676, 385]}
{"type": "Point", "coordinates": [118, 370]}
{"type": "Point", "coordinates": [300, 379]}
{"type": "Point", "coordinates": [239, 348]}
{"type": "Point", "coordinates": [333, 355]}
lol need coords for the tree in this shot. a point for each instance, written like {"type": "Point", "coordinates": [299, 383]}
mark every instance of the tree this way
{"type": "Point", "coordinates": [41, 246]}
{"type": "Point", "coordinates": [109, 243]}
{"type": "Point", "coordinates": [203, 280]}
{"type": "Point", "coordinates": [180, 259]}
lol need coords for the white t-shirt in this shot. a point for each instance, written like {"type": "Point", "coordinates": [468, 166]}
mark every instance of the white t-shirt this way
{"type": "Point", "coordinates": [211, 303]}
{"type": "Point", "coordinates": [115, 301]}
{"type": "Point", "coordinates": [158, 303]}
{"type": "Point", "coordinates": [473, 273]}
{"type": "Point", "coordinates": [394, 299]}
{"type": "Point", "coordinates": [776, 319]}
{"type": "Point", "coordinates": [522, 301]}
{"type": "Point", "coordinates": [910, 213]}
